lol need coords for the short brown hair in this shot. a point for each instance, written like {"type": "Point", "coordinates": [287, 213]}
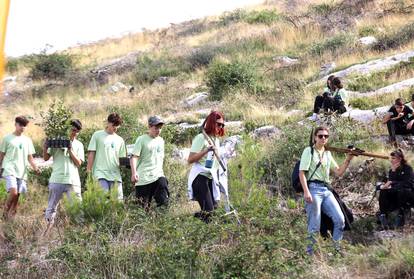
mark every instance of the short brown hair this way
{"type": "Point", "coordinates": [115, 119]}
{"type": "Point", "coordinates": [22, 120]}
{"type": "Point", "coordinates": [399, 102]}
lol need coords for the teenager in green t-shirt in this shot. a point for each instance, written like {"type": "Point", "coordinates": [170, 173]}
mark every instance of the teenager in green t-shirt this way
{"type": "Point", "coordinates": [147, 166]}
{"type": "Point", "coordinates": [16, 153]}
{"type": "Point", "coordinates": [324, 101]}
{"type": "Point", "coordinates": [65, 175]}
{"type": "Point", "coordinates": [104, 150]}
{"type": "Point", "coordinates": [200, 183]}
{"type": "Point", "coordinates": [314, 172]}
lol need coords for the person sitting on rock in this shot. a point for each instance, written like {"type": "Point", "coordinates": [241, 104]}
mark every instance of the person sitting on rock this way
{"type": "Point", "coordinates": [325, 101]}
{"type": "Point", "coordinates": [399, 120]}
{"type": "Point", "coordinates": [398, 192]}
{"type": "Point", "coordinates": [340, 96]}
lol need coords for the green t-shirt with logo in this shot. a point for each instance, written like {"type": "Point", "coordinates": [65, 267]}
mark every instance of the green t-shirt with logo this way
{"type": "Point", "coordinates": [151, 157]}
{"type": "Point", "coordinates": [16, 149]}
{"type": "Point", "coordinates": [200, 143]}
{"type": "Point", "coordinates": [309, 163]}
{"type": "Point", "coordinates": [64, 169]}
{"type": "Point", "coordinates": [108, 149]}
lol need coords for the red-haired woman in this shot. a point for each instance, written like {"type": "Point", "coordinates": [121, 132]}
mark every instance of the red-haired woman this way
{"type": "Point", "coordinates": [201, 186]}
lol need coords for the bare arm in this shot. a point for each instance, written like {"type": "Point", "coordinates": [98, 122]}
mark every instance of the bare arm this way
{"type": "Point", "coordinates": [1, 157]}
{"type": "Point", "coordinates": [91, 159]}
{"type": "Point", "coordinates": [341, 169]}
{"type": "Point", "coordinates": [75, 160]}
{"type": "Point", "coordinates": [133, 161]}
{"type": "Point", "coordinates": [386, 118]}
{"type": "Point", "coordinates": [46, 156]}
{"type": "Point", "coordinates": [196, 156]}
{"type": "Point", "coordinates": [32, 163]}
{"type": "Point", "coordinates": [306, 194]}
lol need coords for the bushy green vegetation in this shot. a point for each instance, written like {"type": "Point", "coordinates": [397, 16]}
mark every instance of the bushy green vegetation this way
{"type": "Point", "coordinates": [332, 44]}
{"type": "Point", "coordinates": [51, 66]}
{"type": "Point", "coordinates": [396, 39]}
{"type": "Point", "coordinates": [252, 17]}
{"type": "Point", "coordinates": [149, 68]}
{"type": "Point", "coordinates": [222, 77]}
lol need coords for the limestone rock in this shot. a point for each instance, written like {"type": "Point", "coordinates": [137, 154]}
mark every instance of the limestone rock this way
{"type": "Point", "coordinates": [195, 99]}
{"type": "Point", "coordinates": [327, 68]}
{"type": "Point", "coordinates": [266, 132]}
{"type": "Point", "coordinates": [368, 40]}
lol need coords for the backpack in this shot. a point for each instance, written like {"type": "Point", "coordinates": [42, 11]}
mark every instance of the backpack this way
{"type": "Point", "coordinates": [297, 186]}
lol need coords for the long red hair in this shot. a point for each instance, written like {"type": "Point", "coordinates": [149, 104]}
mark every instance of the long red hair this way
{"type": "Point", "coordinates": [210, 125]}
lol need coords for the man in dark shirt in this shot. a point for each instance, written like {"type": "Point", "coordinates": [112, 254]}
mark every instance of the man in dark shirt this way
{"type": "Point", "coordinates": [399, 120]}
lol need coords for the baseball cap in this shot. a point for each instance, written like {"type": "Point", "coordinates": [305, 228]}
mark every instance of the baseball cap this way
{"type": "Point", "coordinates": [155, 120]}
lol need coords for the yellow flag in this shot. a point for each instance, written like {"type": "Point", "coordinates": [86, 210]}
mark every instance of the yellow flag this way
{"type": "Point", "coordinates": [4, 13]}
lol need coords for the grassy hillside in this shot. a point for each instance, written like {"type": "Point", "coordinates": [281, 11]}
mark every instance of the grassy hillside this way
{"type": "Point", "coordinates": [236, 57]}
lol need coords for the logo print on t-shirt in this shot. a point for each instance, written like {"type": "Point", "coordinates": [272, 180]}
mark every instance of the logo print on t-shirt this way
{"type": "Point", "coordinates": [20, 146]}
{"type": "Point", "coordinates": [112, 145]}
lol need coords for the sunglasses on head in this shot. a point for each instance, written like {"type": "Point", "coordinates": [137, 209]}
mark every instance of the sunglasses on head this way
{"type": "Point", "coordinates": [323, 136]}
{"type": "Point", "coordinates": [221, 125]}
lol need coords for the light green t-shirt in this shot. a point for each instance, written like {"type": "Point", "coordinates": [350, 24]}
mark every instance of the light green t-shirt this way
{"type": "Point", "coordinates": [200, 143]}
{"type": "Point", "coordinates": [16, 149]}
{"type": "Point", "coordinates": [64, 170]}
{"type": "Point", "coordinates": [108, 149]}
{"type": "Point", "coordinates": [343, 94]}
{"type": "Point", "coordinates": [151, 157]}
{"type": "Point", "coordinates": [327, 90]}
{"type": "Point", "coordinates": [309, 163]}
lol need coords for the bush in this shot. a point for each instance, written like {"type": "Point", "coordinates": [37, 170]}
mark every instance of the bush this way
{"type": "Point", "coordinates": [396, 39]}
{"type": "Point", "coordinates": [230, 17]}
{"type": "Point", "coordinates": [202, 56]}
{"type": "Point", "coordinates": [12, 65]}
{"type": "Point", "coordinates": [289, 92]}
{"type": "Point", "coordinates": [56, 120]}
{"type": "Point", "coordinates": [262, 17]}
{"type": "Point", "coordinates": [51, 66]}
{"type": "Point", "coordinates": [332, 44]}
{"type": "Point", "coordinates": [222, 77]}
{"type": "Point", "coordinates": [148, 69]}
{"type": "Point", "coordinates": [177, 135]}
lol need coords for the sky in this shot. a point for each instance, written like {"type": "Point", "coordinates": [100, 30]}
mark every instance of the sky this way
{"type": "Point", "coordinates": [33, 24]}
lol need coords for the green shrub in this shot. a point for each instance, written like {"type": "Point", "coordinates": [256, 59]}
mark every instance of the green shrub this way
{"type": "Point", "coordinates": [332, 44]}
{"type": "Point", "coordinates": [12, 65]}
{"type": "Point", "coordinates": [231, 17]}
{"type": "Point", "coordinates": [361, 103]}
{"type": "Point", "coordinates": [324, 9]}
{"type": "Point", "coordinates": [148, 68]}
{"type": "Point", "coordinates": [202, 56]}
{"type": "Point", "coordinates": [396, 39]}
{"type": "Point", "coordinates": [367, 31]}
{"type": "Point", "coordinates": [51, 66]}
{"type": "Point", "coordinates": [262, 17]}
{"type": "Point", "coordinates": [56, 120]}
{"type": "Point", "coordinates": [289, 92]}
{"type": "Point", "coordinates": [177, 135]}
{"type": "Point", "coordinates": [222, 77]}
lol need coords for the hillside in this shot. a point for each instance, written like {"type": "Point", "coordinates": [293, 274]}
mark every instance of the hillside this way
{"type": "Point", "coordinates": [262, 67]}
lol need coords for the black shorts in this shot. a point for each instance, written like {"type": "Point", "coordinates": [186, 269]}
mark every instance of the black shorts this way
{"type": "Point", "coordinates": [157, 189]}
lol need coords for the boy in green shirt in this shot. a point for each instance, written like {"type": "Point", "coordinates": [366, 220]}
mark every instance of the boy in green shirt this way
{"type": "Point", "coordinates": [105, 149]}
{"type": "Point", "coordinates": [65, 175]}
{"type": "Point", "coordinates": [147, 166]}
{"type": "Point", "coordinates": [16, 153]}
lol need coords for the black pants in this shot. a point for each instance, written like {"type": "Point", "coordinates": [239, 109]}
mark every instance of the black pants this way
{"type": "Point", "coordinates": [395, 199]}
{"type": "Point", "coordinates": [203, 194]}
{"type": "Point", "coordinates": [323, 102]}
{"type": "Point", "coordinates": [157, 189]}
{"type": "Point", "coordinates": [396, 128]}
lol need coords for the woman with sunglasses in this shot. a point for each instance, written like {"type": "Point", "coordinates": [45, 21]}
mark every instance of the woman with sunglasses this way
{"type": "Point", "coordinates": [398, 192]}
{"type": "Point", "coordinates": [201, 186]}
{"type": "Point", "coordinates": [314, 169]}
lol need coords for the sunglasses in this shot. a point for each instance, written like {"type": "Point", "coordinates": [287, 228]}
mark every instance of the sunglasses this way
{"type": "Point", "coordinates": [323, 136]}
{"type": "Point", "coordinates": [221, 125]}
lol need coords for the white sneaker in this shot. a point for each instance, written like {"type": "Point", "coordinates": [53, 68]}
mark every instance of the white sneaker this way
{"type": "Point", "coordinates": [314, 117]}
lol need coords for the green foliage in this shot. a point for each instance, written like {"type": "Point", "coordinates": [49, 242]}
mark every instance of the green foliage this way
{"type": "Point", "coordinates": [361, 103]}
{"type": "Point", "coordinates": [332, 44]}
{"type": "Point", "coordinates": [56, 120]}
{"type": "Point", "coordinates": [323, 9]}
{"type": "Point", "coordinates": [3, 191]}
{"type": "Point", "coordinates": [96, 205]}
{"type": "Point", "coordinates": [177, 135]}
{"type": "Point", "coordinates": [396, 39]}
{"type": "Point", "coordinates": [230, 17]}
{"type": "Point", "coordinates": [262, 17]}
{"type": "Point", "coordinates": [289, 92]}
{"type": "Point", "coordinates": [40, 179]}
{"type": "Point", "coordinates": [222, 77]}
{"type": "Point", "coordinates": [148, 68]}
{"type": "Point", "coordinates": [202, 56]}
{"type": "Point", "coordinates": [51, 66]}
{"type": "Point", "coordinates": [368, 30]}
{"type": "Point", "coordinates": [12, 65]}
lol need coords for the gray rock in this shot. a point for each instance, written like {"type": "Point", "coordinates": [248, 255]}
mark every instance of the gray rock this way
{"type": "Point", "coordinates": [368, 40]}
{"type": "Point", "coordinates": [195, 99]}
{"type": "Point", "coordinates": [385, 90]}
{"type": "Point", "coordinates": [162, 80]}
{"type": "Point", "coordinates": [366, 116]}
{"type": "Point", "coordinates": [285, 61]}
{"type": "Point", "coordinates": [181, 154]}
{"type": "Point", "coordinates": [266, 132]}
{"type": "Point", "coordinates": [118, 86]}
{"type": "Point", "coordinates": [327, 68]}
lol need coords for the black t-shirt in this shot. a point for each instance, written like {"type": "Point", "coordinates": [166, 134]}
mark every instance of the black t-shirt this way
{"type": "Point", "coordinates": [408, 114]}
{"type": "Point", "coordinates": [402, 177]}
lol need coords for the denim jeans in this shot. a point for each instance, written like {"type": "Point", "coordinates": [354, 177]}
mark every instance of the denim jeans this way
{"type": "Point", "coordinates": [108, 185]}
{"type": "Point", "coordinates": [323, 200]}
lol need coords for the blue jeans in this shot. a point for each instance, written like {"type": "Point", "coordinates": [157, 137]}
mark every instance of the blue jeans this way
{"type": "Point", "coordinates": [323, 200]}
{"type": "Point", "coordinates": [108, 185]}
